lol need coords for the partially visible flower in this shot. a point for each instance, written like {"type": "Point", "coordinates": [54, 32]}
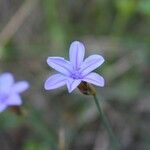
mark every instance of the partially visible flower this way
{"type": "Point", "coordinates": [73, 72]}
{"type": "Point", "coordinates": [10, 91]}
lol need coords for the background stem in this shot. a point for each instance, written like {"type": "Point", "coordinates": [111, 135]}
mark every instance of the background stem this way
{"type": "Point", "coordinates": [116, 144]}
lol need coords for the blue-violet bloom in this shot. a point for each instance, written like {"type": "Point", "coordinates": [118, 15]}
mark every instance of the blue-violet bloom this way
{"type": "Point", "coordinates": [10, 91]}
{"type": "Point", "coordinates": [73, 72]}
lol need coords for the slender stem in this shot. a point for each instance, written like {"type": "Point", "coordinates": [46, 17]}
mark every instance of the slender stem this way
{"type": "Point", "coordinates": [115, 142]}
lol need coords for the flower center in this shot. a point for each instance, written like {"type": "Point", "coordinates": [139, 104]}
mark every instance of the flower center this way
{"type": "Point", "coordinates": [76, 75]}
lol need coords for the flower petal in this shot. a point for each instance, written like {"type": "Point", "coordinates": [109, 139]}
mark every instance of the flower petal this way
{"type": "Point", "coordinates": [94, 78]}
{"type": "Point", "coordinates": [14, 100]}
{"type": "Point", "coordinates": [2, 107]}
{"type": "Point", "coordinates": [76, 53]}
{"type": "Point", "coordinates": [60, 64]}
{"type": "Point", "coordinates": [72, 84]}
{"type": "Point", "coordinates": [6, 81]}
{"type": "Point", "coordinates": [55, 81]}
{"type": "Point", "coordinates": [91, 63]}
{"type": "Point", "coordinates": [20, 86]}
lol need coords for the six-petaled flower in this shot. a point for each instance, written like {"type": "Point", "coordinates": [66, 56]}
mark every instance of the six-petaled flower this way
{"type": "Point", "coordinates": [10, 91]}
{"type": "Point", "coordinates": [73, 72]}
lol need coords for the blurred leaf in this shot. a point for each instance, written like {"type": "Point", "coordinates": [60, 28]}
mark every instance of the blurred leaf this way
{"type": "Point", "coordinates": [1, 52]}
{"type": "Point", "coordinates": [126, 7]}
{"type": "Point", "coordinates": [54, 25]}
{"type": "Point", "coordinates": [144, 7]}
{"type": "Point", "coordinates": [31, 145]}
{"type": "Point", "coordinates": [10, 52]}
{"type": "Point", "coordinates": [10, 120]}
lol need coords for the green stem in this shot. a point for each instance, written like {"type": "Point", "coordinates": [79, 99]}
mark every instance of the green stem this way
{"type": "Point", "coordinates": [115, 142]}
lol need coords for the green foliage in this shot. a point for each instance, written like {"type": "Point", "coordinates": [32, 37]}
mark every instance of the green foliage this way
{"type": "Point", "coordinates": [144, 7]}
{"type": "Point", "coordinates": [126, 7]}
{"type": "Point", "coordinates": [119, 30]}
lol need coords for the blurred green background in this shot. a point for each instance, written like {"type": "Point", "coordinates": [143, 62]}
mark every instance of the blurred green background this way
{"type": "Point", "coordinates": [32, 30]}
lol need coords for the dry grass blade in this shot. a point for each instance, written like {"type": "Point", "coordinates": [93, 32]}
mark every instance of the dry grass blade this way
{"type": "Point", "coordinates": [16, 21]}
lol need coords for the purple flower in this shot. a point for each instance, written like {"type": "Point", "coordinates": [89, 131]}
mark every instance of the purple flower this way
{"type": "Point", "coordinates": [76, 70]}
{"type": "Point", "coordinates": [9, 91]}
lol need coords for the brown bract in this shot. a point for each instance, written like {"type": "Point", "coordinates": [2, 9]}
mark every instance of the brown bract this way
{"type": "Point", "coordinates": [86, 88]}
